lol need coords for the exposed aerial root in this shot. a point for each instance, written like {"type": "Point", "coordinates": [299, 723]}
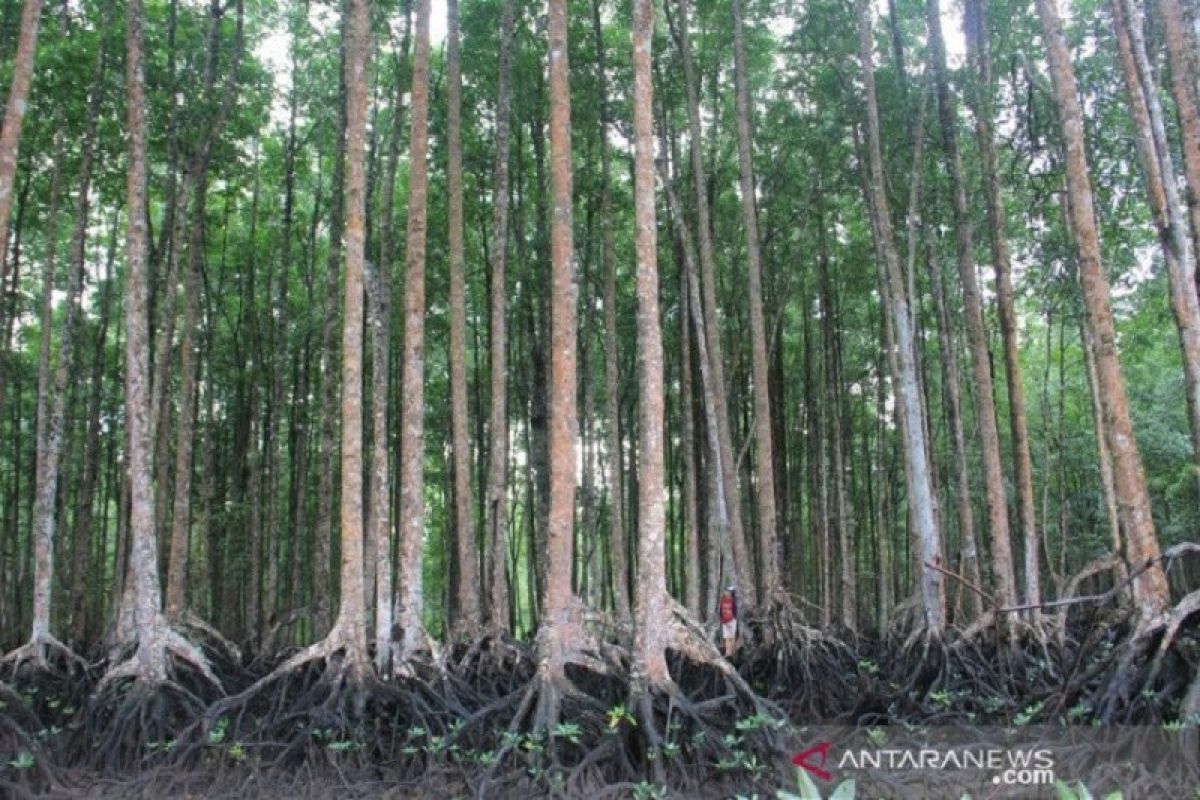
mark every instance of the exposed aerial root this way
{"type": "Point", "coordinates": [173, 643]}
{"type": "Point", "coordinates": [1152, 673]}
{"type": "Point", "coordinates": [193, 622]}
{"type": "Point", "coordinates": [134, 724]}
{"type": "Point", "coordinates": [25, 768]}
{"type": "Point", "coordinates": [813, 669]}
{"type": "Point", "coordinates": [34, 654]}
{"type": "Point", "coordinates": [322, 650]}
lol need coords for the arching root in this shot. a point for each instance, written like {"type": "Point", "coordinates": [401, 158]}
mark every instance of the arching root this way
{"type": "Point", "coordinates": [25, 768]}
{"type": "Point", "coordinates": [34, 653]}
{"type": "Point", "coordinates": [814, 670]}
{"type": "Point", "coordinates": [1150, 670]}
{"type": "Point", "coordinates": [193, 622]}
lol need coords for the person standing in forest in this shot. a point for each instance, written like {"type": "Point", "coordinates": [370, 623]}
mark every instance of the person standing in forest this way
{"type": "Point", "coordinates": [727, 612]}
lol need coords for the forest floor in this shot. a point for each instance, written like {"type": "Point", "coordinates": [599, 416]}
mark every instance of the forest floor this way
{"type": "Point", "coordinates": [458, 727]}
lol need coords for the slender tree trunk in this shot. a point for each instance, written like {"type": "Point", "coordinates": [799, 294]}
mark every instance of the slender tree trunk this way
{"type": "Point", "coordinates": [616, 499]}
{"type": "Point", "coordinates": [51, 410]}
{"type": "Point", "coordinates": [981, 102]}
{"type": "Point", "coordinates": [1150, 588]}
{"type": "Point", "coordinates": [150, 659]}
{"type": "Point", "coordinates": [327, 449]}
{"type": "Point", "coordinates": [349, 630]}
{"type": "Point", "coordinates": [412, 387]}
{"type": "Point", "coordinates": [764, 457]}
{"type": "Point", "coordinates": [742, 568]}
{"type": "Point", "coordinates": [1166, 209]}
{"type": "Point", "coordinates": [1005, 589]}
{"type": "Point", "coordinates": [557, 626]}
{"type": "Point", "coordinates": [1181, 56]}
{"type": "Point", "coordinates": [920, 486]}
{"type": "Point", "coordinates": [82, 611]}
{"type": "Point", "coordinates": [1104, 458]}
{"type": "Point", "coordinates": [691, 514]}
{"type": "Point", "coordinates": [464, 528]}
{"type": "Point", "coordinates": [497, 493]}
{"type": "Point", "coordinates": [14, 116]}
{"type": "Point", "coordinates": [653, 603]}
{"type": "Point", "coordinates": [952, 384]}
{"type": "Point", "coordinates": [835, 430]}
{"type": "Point", "coordinates": [379, 517]}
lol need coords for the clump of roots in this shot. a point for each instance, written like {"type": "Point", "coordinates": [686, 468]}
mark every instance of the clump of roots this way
{"type": "Point", "coordinates": [26, 768]}
{"type": "Point", "coordinates": [813, 673]}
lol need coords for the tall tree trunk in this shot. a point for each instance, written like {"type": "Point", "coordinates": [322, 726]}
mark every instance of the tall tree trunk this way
{"type": "Point", "coordinates": [691, 514]}
{"type": "Point", "coordinates": [10, 131]}
{"type": "Point", "coordinates": [835, 430]}
{"type": "Point", "coordinates": [379, 517]}
{"type": "Point", "coordinates": [411, 601]}
{"type": "Point", "coordinates": [616, 499]}
{"type": "Point", "coordinates": [557, 600]}
{"type": "Point", "coordinates": [952, 385]}
{"type": "Point", "coordinates": [920, 485]}
{"type": "Point", "coordinates": [497, 492]}
{"type": "Point", "coordinates": [148, 663]}
{"type": "Point", "coordinates": [322, 555]}
{"type": "Point", "coordinates": [82, 607]}
{"type": "Point", "coordinates": [1104, 458]}
{"type": "Point", "coordinates": [464, 527]}
{"type": "Point", "coordinates": [1166, 209]}
{"type": "Point", "coordinates": [771, 582]}
{"type": "Point", "coordinates": [1150, 589]}
{"type": "Point", "coordinates": [1005, 589]}
{"type": "Point", "coordinates": [349, 630]}
{"type": "Point", "coordinates": [981, 103]}
{"type": "Point", "coordinates": [51, 410]}
{"type": "Point", "coordinates": [1181, 56]}
{"type": "Point", "coordinates": [742, 568]}
{"type": "Point", "coordinates": [651, 633]}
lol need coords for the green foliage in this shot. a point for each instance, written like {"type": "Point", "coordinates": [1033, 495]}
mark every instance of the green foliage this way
{"type": "Point", "coordinates": [23, 761]}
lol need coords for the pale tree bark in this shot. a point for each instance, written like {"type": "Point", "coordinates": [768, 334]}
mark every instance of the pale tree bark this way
{"type": "Point", "coordinates": [651, 633]}
{"type": "Point", "coordinates": [561, 633]}
{"type": "Point", "coordinates": [920, 484]}
{"type": "Point", "coordinates": [742, 570]}
{"type": "Point", "coordinates": [497, 491]}
{"type": "Point", "coordinates": [952, 385]}
{"type": "Point", "coordinates": [720, 556]}
{"type": "Point", "coordinates": [51, 410]}
{"type": "Point", "coordinates": [349, 629]}
{"type": "Point", "coordinates": [1005, 589]}
{"type": "Point", "coordinates": [1166, 208]}
{"type": "Point", "coordinates": [379, 518]}
{"type": "Point", "coordinates": [616, 494]}
{"type": "Point", "coordinates": [691, 514]}
{"type": "Point", "coordinates": [411, 601]}
{"type": "Point", "coordinates": [276, 495]}
{"type": "Point", "coordinates": [980, 101]}
{"type": "Point", "coordinates": [328, 444]}
{"type": "Point", "coordinates": [83, 607]}
{"type": "Point", "coordinates": [10, 132]}
{"type": "Point", "coordinates": [1104, 458]}
{"type": "Point", "coordinates": [835, 431]}
{"type": "Point", "coordinates": [154, 638]}
{"type": "Point", "coordinates": [1150, 588]}
{"type": "Point", "coordinates": [1181, 56]}
{"type": "Point", "coordinates": [177, 576]}
{"type": "Point", "coordinates": [464, 527]}
{"type": "Point", "coordinates": [770, 580]}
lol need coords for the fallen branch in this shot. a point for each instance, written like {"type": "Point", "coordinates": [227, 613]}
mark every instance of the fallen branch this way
{"type": "Point", "coordinates": [1167, 556]}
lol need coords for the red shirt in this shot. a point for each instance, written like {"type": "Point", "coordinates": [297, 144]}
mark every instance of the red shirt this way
{"type": "Point", "coordinates": [726, 608]}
